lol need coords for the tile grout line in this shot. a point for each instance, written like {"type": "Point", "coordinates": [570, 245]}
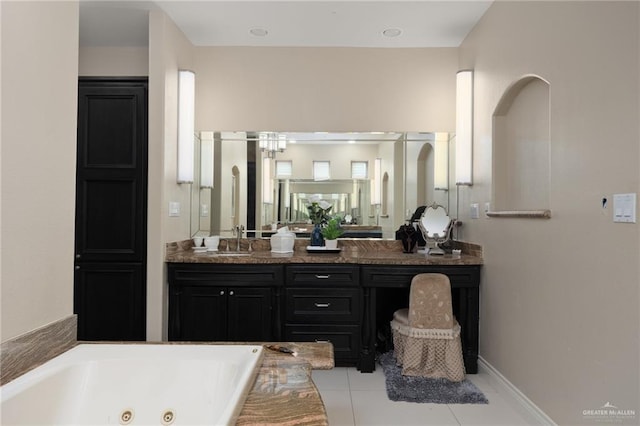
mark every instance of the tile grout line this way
{"type": "Point", "coordinates": [353, 412]}
{"type": "Point", "coordinates": [454, 414]}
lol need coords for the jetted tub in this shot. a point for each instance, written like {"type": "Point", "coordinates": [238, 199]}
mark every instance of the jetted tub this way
{"type": "Point", "coordinates": [106, 384]}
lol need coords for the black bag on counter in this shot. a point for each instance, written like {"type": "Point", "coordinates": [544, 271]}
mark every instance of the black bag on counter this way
{"type": "Point", "coordinates": [409, 237]}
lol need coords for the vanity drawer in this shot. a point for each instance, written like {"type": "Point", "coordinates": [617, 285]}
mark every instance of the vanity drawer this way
{"type": "Point", "coordinates": [345, 338]}
{"type": "Point", "coordinates": [323, 275]}
{"type": "Point", "coordinates": [322, 305]}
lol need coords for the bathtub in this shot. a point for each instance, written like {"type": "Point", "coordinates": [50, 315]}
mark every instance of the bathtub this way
{"type": "Point", "coordinates": [106, 384]}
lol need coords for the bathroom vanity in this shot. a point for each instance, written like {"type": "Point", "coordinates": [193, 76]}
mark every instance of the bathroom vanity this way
{"type": "Point", "coordinates": [347, 298]}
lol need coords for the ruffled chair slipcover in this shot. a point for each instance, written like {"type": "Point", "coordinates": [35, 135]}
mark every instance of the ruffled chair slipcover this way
{"type": "Point", "coordinates": [426, 336]}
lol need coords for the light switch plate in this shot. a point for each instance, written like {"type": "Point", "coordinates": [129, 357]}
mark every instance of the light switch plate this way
{"type": "Point", "coordinates": [475, 211]}
{"type": "Point", "coordinates": [174, 209]}
{"type": "Point", "coordinates": [204, 210]}
{"type": "Point", "coordinates": [624, 208]}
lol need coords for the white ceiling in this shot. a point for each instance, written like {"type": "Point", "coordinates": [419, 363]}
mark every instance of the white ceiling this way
{"type": "Point", "coordinates": [302, 23]}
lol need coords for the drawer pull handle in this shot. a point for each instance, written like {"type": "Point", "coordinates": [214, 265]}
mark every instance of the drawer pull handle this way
{"type": "Point", "coordinates": [323, 277]}
{"type": "Point", "coordinates": [323, 341]}
{"type": "Point", "coordinates": [322, 305]}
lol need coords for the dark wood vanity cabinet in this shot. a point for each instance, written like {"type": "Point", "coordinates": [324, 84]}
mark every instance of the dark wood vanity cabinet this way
{"type": "Point", "coordinates": [224, 302]}
{"type": "Point", "coordinates": [324, 303]}
{"type": "Point", "coordinates": [349, 305]}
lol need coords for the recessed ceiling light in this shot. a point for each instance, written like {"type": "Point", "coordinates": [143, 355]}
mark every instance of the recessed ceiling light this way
{"type": "Point", "coordinates": [392, 32]}
{"type": "Point", "coordinates": [258, 32]}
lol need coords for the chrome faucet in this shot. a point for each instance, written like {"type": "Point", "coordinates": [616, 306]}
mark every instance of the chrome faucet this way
{"type": "Point", "coordinates": [238, 230]}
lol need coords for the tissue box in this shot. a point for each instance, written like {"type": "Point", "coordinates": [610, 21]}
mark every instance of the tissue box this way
{"type": "Point", "coordinates": [282, 241]}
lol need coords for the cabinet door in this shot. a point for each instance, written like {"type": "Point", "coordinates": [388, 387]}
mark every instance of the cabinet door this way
{"type": "Point", "coordinates": [250, 314]}
{"type": "Point", "coordinates": [202, 313]}
{"type": "Point", "coordinates": [109, 299]}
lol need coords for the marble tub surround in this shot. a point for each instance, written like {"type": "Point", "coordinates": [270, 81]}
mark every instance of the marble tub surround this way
{"type": "Point", "coordinates": [28, 351]}
{"type": "Point", "coordinates": [283, 392]}
{"type": "Point", "coordinates": [353, 251]}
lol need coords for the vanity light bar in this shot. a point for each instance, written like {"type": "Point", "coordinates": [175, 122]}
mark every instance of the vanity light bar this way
{"type": "Point", "coordinates": [186, 118]}
{"type": "Point", "coordinates": [464, 127]}
{"type": "Point", "coordinates": [206, 159]}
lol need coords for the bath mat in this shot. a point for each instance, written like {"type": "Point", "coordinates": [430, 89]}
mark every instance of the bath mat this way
{"type": "Point", "coordinates": [422, 389]}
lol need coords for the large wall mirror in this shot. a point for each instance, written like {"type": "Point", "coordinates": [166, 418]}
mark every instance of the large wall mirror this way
{"type": "Point", "coordinates": [374, 180]}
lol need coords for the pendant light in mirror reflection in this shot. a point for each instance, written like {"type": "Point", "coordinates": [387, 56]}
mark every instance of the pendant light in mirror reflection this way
{"type": "Point", "coordinates": [464, 127]}
{"type": "Point", "coordinates": [206, 160]}
{"type": "Point", "coordinates": [186, 114]}
{"type": "Point", "coordinates": [271, 143]}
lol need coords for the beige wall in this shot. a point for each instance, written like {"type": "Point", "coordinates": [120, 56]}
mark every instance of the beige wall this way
{"type": "Point", "coordinates": [328, 89]}
{"type": "Point", "coordinates": [39, 109]}
{"type": "Point", "coordinates": [169, 51]}
{"type": "Point", "coordinates": [113, 61]}
{"type": "Point", "coordinates": [559, 312]}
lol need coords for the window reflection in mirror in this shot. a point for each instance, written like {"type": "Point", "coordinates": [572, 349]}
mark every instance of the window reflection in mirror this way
{"type": "Point", "coordinates": [261, 187]}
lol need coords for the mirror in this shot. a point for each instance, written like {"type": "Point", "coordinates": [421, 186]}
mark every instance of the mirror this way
{"type": "Point", "coordinates": [435, 226]}
{"type": "Point", "coordinates": [377, 180]}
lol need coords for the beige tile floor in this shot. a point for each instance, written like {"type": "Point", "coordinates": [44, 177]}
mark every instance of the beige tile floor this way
{"type": "Point", "coordinates": [353, 398]}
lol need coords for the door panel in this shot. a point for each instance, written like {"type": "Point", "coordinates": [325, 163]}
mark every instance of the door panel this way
{"type": "Point", "coordinates": [110, 218]}
{"type": "Point", "coordinates": [111, 130]}
{"type": "Point", "coordinates": [108, 298]}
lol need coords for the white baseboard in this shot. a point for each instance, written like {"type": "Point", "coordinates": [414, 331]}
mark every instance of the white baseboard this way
{"type": "Point", "coordinates": [530, 411]}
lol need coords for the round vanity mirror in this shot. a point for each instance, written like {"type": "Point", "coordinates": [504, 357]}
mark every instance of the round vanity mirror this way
{"type": "Point", "coordinates": [435, 225]}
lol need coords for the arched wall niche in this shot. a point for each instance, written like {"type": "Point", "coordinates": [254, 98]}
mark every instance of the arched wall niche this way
{"type": "Point", "coordinates": [425, 168]}
{"type": "Point", "coordinates": [521, 150]}
{"type": "Point", "coordinates": [385, 194]}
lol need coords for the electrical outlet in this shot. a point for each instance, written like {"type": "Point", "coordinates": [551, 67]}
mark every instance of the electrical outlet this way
{"type": "Point", "coordinates": [487, 207]}
{"type": "Point", "coordinates": [475, 211]}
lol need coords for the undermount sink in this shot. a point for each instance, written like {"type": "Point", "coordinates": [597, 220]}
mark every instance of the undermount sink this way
{"type": "Point", "coordinates": [232, 253]}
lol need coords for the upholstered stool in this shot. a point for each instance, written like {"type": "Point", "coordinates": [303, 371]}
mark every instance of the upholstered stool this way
{"type": "Point", "coordinates": [426, 336]}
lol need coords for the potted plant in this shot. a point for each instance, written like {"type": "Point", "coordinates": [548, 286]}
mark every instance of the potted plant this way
{"type": "Point", "coordinates": [331, 232]}
{"type": "Point", "coordinates": [318, 214]}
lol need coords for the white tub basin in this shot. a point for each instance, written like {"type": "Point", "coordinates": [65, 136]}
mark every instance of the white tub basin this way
{"type": "Point", "coordinates": [101, 384]}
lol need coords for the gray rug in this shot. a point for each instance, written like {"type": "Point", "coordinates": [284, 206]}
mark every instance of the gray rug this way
{"type": "Point", "coordinates": [422, 389]}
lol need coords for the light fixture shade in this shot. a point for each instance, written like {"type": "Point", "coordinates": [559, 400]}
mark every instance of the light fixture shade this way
{"type": "Point", "coordinates": [441, 162]}
{"type": "Point", "coordinates": [206, 159]}
{"type": "Point", "coordinates": [186, 117]}
{"type": "Point", "coordinates": [376, 184]}
{"type": "Point", "coordinates": [267, 182]}
{"type": "Point", "coordinates": [282, 143]}
{"type": "Point", "coordinates": [464, 127]}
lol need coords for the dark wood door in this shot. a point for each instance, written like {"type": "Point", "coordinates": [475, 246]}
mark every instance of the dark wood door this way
{"type": "Point", "coordinates": [111, 209]}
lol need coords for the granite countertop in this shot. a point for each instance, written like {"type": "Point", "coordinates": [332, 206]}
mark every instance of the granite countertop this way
{"type": "Point", "coordinates": [352, 251]}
